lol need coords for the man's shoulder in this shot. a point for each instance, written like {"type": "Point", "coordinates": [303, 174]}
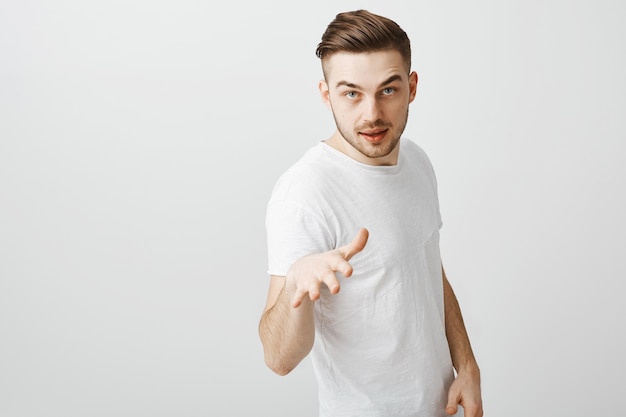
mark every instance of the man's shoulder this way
{"type": "Point", "coordinates": [306, 165]}
{"type": "Point", "coordinates": [303, 175]}
{"type": "Point", "coordinates": [415, 154]}
{"type": "Point", "coordinates": [412, 149]}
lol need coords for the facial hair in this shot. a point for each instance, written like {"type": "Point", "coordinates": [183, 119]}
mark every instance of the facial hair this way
{"type": "Point", "coordinates": [373, 150]}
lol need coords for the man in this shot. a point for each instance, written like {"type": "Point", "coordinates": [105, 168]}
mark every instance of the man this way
{"type": "Point", "coordinates": [360, 212]}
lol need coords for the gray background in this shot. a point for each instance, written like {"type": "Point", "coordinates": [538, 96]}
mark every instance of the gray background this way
{"type": "Point", "coordinates": [139, 142]}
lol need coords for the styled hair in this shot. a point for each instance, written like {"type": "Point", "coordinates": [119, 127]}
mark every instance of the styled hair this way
{"type": "Point", "coordinates": [363, 31]}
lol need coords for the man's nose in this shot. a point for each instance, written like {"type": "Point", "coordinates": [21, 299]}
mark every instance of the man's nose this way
{"type": "Point", "coordinates": [372, 110]}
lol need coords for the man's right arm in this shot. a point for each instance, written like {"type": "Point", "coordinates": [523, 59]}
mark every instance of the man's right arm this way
{"type": "Point", "coordinates": [287, 329]}
{"type": "Point", "coordinates": [287, 333]}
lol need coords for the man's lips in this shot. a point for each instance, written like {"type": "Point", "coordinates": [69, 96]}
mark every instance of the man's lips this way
{"type": "Point", "coordinates": [374, 136]}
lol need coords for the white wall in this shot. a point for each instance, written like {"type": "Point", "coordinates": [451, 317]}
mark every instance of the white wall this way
{"type": "Point", "coordinates": [139, 141]}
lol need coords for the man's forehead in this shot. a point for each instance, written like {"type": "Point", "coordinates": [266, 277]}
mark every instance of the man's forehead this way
{"type": "Point", "coordinates": [364, 67]}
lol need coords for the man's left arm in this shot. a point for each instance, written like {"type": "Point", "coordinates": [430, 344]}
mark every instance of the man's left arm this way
{"type": "Point", "coordinates": [465, 390]}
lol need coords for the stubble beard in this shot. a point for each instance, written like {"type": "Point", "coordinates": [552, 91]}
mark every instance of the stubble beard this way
{"type": "Point", "coordinates": [373, 150]}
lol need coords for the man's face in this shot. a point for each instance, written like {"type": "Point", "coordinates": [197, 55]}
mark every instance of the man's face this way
{"type": "Point", "coordinates": [369, 95]}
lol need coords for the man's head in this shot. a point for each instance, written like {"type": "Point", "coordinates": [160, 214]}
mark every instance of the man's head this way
{"type": "Point", "coordinates": [366, 61]}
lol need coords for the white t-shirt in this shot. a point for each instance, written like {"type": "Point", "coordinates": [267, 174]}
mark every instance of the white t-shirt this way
{"type": "Point", "coordinates": [380, 347]}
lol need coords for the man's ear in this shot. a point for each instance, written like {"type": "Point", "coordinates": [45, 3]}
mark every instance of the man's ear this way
{"type": "Point", "coordinates": [324, 93]}
{"type": "Point", "coordinates": [412, 86]}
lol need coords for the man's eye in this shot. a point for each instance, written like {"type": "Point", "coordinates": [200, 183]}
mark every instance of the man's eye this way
{"type": "Point", "coordinates": [352, 94]}
{"type": "Point", "coordinates": [389, 90]}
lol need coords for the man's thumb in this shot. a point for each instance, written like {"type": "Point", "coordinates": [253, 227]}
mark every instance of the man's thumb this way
{"type": "Point", "coordinates": [356, 246]}
{"type": "Point", "coordinates": [451, 409]}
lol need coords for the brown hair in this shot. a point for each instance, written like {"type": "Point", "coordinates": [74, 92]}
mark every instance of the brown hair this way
{"type": "Point", "coordinates": [363, 31]}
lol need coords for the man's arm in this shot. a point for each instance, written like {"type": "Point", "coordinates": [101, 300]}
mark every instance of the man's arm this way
{"type": "Point", "coordinates": [465, 390]}
{"type": "Point", "coordinates": [287, 329]}
{"type": "Point", "coordinates": [287, 333]}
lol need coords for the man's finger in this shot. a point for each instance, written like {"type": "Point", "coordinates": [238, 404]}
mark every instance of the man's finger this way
{"type": "Point", "coordinates": [297, 298]}
{"type": "Point", "coordinates": [338, 264]}
{"type": "Point", "coordinates": [314, 291]}
{"type": "Point", "coordinates": [330, 279]}
{"type": "Point", "coordinates": [473, 411]}
{"type": "Point", "coordinates": [356, 246]}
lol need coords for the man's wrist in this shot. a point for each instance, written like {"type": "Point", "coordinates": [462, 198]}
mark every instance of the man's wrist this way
{"type": "Point", "coordinates": [470, 369]}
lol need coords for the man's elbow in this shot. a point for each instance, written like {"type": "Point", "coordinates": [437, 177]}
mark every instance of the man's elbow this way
{"type": "Point", "coordinates": [278, 367]}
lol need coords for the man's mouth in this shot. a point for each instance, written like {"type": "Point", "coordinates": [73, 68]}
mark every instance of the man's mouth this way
{"type": "Point", "coordinates": [374, 136]}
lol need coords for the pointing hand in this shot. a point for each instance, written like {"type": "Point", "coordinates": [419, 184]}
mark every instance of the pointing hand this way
{"type": "Point", "coordinates": [309, 272]}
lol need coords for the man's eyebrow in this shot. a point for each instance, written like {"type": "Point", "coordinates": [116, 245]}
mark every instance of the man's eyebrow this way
{"type": "Point", "coordinates": [347, 84]}
{"type": "Point", "coordinates": [389, 80]}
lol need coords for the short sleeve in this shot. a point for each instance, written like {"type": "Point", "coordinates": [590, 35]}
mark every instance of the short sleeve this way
{"type": "Point", "coordinates": [293, 231]}
{"type": "Point", "coordinates": [429, 171]}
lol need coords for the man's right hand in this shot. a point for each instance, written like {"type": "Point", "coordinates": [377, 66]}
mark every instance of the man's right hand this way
{"type": "Point", "coordinates": [307, 274]}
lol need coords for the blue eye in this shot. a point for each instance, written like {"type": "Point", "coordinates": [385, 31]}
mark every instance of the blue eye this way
{"type": "Point", "coordinates": [352, 94]}
{"type": "Point", "coordinates": [389, 90]}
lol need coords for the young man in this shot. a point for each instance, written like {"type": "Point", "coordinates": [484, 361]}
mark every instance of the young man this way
{"type": "Point", "coordinates": [360, 212]}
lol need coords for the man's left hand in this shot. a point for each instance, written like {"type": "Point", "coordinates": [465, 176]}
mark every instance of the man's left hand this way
{"type": "Point", "coordinates": [465, 390]}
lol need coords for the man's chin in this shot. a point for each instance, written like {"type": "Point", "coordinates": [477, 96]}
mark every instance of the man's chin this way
{"type": "Point", "coordinates": [375, 150]}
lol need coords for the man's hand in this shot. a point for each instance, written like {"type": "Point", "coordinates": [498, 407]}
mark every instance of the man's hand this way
{"type": "Point", "coordinates": [307, 274]}
{"type": "Point", "coordinates": [465, 390]}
